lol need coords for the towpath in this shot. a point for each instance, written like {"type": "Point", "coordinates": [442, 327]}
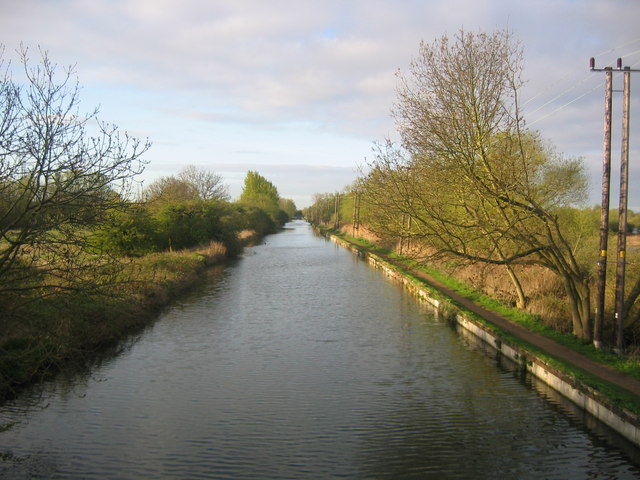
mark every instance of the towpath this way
{"type": "Point", "coordinates": [550, 346]}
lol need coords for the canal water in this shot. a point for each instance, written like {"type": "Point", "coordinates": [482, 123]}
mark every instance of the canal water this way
{"type": "Point", "coordinates": [299, 361]}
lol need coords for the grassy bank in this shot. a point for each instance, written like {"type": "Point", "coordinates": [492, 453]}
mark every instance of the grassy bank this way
{"type": "Point", "coordinates": [70, 327]}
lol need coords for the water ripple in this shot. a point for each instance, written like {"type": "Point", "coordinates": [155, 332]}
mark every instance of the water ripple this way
{"type": "Point", "coordinates": [302, 362]}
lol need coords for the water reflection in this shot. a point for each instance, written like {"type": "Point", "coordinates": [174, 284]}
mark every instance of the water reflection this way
{"type": "Point", "coordinates": [300, 361]}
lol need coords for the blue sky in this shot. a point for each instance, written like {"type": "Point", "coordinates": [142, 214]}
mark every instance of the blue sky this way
{"type": "Point", "coordinates": [301, 90]}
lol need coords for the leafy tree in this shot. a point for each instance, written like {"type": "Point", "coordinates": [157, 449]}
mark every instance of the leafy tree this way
{"type": "Point", "coordinates": [473, 181]}
{"type": "Point", "coordinates": [191, 209]}
{"type": "Point", "coordinates": [256, 219]}
{"type": "Point", "coordinates": [288, 206]}
{"type": "Point", "coordinates": [60, 170]}
{"type": "Point", "coordinates": [323, 209]}
{"type": "Point", "coordinates": [256, 186]}
{"type": "Point", "coordinates": [260, 192]}
{"type": "Point", "coordinates": [633, 221]}
{"type": "Point", "coordinates": [191, 184]}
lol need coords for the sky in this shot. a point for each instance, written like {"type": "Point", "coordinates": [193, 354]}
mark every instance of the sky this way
{"type": "Point", "coordinates": [301, 91]}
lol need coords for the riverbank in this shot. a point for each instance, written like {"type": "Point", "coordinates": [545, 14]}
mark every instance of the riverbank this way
{"type": "Point", "coordinates": [70, 328]}
{"type": "Point", "coordinates": [611, 396]}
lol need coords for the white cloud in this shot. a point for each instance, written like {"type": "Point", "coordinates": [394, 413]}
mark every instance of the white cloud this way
{"type": "Point", "coordinates": [200, 77]}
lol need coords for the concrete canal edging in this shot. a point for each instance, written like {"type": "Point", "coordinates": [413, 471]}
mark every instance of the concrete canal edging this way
{"type": "Point", "coordinates": [618, 419]}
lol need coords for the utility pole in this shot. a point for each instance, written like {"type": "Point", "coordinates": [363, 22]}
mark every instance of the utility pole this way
{"type": "Point", "coordinates": [356, 213]}
{"type": "Point", "coordinates": [622, 212]}
{"type": "Point", "coordinates": [622, 223]}
{"type": "Point", "coordinates": [604, 212]}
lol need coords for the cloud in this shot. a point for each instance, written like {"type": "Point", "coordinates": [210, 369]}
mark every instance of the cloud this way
{"type": "Point", "coordinates": [213, 73]}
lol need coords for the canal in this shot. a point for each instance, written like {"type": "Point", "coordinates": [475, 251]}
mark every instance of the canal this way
{"type": "Point", "coordinates": [300, 361]}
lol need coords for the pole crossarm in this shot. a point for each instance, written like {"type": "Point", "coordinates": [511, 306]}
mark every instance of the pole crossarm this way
{"type": "Point", "coordinates": [618, 68]}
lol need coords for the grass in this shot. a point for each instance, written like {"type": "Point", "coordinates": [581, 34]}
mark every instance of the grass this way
{"type": "Point", "coordinates": [54, 330]}
{"type": "Point", "coordinates": [616, 395]}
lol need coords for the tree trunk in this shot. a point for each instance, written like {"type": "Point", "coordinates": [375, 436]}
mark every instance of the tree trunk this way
{"type": "Point", "coordinates": [522, 299]}
{"type": "Point", "coordinates": [580, 304]}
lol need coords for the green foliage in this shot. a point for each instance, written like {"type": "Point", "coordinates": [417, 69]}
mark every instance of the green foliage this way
{"type": "Point", "coordinates": [261, 193]}
{"type": "Point", "coordinates": [189, 224]}
{"type": "Point", "coordinates": [256, 219]}
{"type": "Point", "coordinates": [469, 181]}
{"type": "Point", "coordinates": [170, 226]}
{"type": "Point", "coordinates": [256, 186]}
{"type": "Point", "coordinates": [190, 185]}
{"type": "Point", "coordinates": [130, 232]}
{"type": "Point", "coordinates": [66, 221]}
{"type": "Point", "coordinates": [167, 190]}
{"type": "Point", "coordinates": [288, 207]}
{"type": "Point", "coordinates": [633, 221]}
{"type": "Point", "coordinates": [323, 209]}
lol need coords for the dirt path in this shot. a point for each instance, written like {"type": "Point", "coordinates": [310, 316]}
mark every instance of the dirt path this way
{"type": "Point", "coordinates": [550, 346]}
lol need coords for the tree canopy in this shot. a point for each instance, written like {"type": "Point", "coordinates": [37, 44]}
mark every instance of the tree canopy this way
{"type": "Point", "coordinates": [468, 179]}
{"type": "Point", "coordinates": [261, 193]}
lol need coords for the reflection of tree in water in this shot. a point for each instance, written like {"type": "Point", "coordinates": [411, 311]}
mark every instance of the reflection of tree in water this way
{"type": "Point", "coordinates": [72, 380]}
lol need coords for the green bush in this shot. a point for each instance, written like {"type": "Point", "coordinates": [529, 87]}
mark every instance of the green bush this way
{"type": "Point", "coordinates": [128, 233]}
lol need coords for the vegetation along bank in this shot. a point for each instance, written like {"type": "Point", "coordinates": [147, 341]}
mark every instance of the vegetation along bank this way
{"type": "Point", "coordinates": [83, 260]}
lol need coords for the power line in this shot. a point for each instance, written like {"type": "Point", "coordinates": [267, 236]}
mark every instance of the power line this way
{"type": "Point", "coordinates": [637, 40]}
{"type": "Point", "coordinates": [575, 85]}
{"type": "Point", "coordinates": [551, 85]}
{"type": "Point", "coordinates": [563, 106]}
{"type": "Point", "coordinates": [572, 87]}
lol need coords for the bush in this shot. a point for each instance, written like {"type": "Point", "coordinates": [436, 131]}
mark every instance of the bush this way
{"type": "Point", "coordinates": [128, 233]}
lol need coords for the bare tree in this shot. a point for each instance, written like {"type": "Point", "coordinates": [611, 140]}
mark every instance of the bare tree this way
{"type": "Point", "coordinates": [191, 184]}
{"type": "Point", "coordinates": [60, 172]}
{"type": "Point", "coordinates": [170, 190]}
{"type": "Point", "coordinates": [208, 185]}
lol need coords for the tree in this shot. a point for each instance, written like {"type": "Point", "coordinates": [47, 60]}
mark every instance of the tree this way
{"type": "Point", "coordinates": [473, 181]}
{"type": "Point", "coordinates": [208, 185]}
{"type": "Point", "coordinates": [131, 232]}
{"type": "Point", "coordinates": [170, 189]}
{"type": "Point", "coordinates": [260, 192]}
{"type": "Point", "coordinates": [60, 171]}
{"type": "Point", "coordinates": [258, 187]}
{"type": "Point", "coordinates": [320, 210]}
{"type": "Point", "coordinates": [191, 184]}
{"type": "Point", "coordinates": [191, 209]}
{"type": "Point", "coordinates": [288, 206]}
{"type": "Point", "coordinates": [190, 224]}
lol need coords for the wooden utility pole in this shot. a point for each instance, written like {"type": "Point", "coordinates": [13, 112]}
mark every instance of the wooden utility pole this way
{"type": "Point", "coordinates": [402, 234]}
{"type": "Point", "coordinates": [604, 212]}
{"type": "Point", "coordinates": [356, 213]}
{"type": "Point", "coordinates": [622, 209]}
